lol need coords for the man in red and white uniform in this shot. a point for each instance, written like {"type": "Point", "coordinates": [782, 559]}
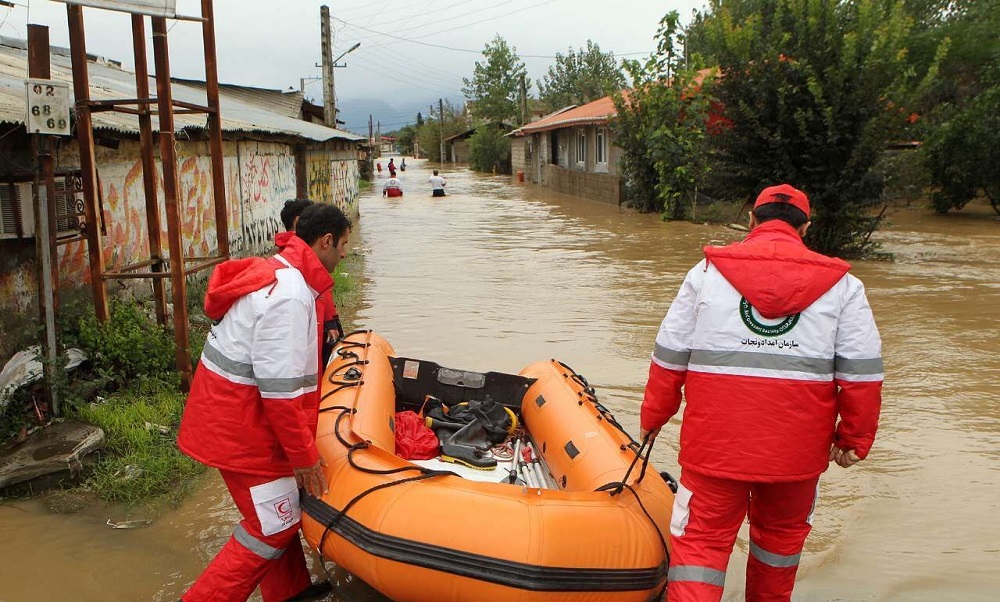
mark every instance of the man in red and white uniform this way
{"type": "Point", "coordinates": [253, 405]}
{"type": "Point", "coordinates": [331, 330]}
{"type": "Point", "coordinates": [771, 342]}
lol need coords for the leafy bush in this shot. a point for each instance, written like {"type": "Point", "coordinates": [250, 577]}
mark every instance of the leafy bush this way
{"type": "Point", "coordinates": [128, 346]}
{"type": "Point", "coordinates": [963, 155]}
{"type": "Point", "coordinates": [489, 150]}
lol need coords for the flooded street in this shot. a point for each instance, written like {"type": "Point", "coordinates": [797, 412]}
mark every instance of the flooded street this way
{"type": "Point", "coordinates": [496, 276]}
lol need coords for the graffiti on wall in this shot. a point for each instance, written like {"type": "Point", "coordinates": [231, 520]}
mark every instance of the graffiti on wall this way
{"type": "Point", "coordinates": [267, 180]}
{"type": "Point", "coordinates": [259, 177]}
{"type": "Point", "coordinates": [332, 180]}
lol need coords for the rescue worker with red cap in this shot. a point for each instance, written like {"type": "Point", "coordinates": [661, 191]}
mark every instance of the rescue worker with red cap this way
{"type": "Point", "coordinates": [771, 343]}
{"type": "Point", "coordinates": [253, 406]}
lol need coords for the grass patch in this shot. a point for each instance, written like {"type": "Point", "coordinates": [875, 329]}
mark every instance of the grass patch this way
{"type": "Point", "coordinates": [345, 284]}
{"type": "Point", "coordinates": [143, 462]}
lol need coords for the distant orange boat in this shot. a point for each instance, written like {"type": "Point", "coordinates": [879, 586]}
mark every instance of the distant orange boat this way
{"type": "Point", "coordinates": [581, 525]}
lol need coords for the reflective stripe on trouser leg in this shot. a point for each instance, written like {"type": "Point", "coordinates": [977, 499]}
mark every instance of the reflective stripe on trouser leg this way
{"type": "Point", "coordinates": [779, 525]}
{"type": "Point", "coordinates": [708, 514]}
{"type": "Point", "coordinates": [249, 556]}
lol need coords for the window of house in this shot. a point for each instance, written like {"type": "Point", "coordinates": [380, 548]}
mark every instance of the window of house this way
{"type": "Point", "coordinates": [581, 148]}
{"type": "Point", "coordinates": [601, 152]}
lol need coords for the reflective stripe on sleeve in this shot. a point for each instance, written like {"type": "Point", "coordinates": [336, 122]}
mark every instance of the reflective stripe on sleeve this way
{"type": "Point", "coordinates": [859, 370]}
{"type": "Point", "coordinates": [255, 545]}
{"type": "Point", "coordinates": [779, 561]}
{"type": "Point", "coordinates": [668, 358]}
{"type": "Point", "coordinates": [286, 385]}
{"type": "Point", "coordinates": [697, 574]}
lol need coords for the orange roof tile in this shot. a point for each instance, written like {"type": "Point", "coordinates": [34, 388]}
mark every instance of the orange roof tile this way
{"type": "Point", "coordinates": [596, 112]}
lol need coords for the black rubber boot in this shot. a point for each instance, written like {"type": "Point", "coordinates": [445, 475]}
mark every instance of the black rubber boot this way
{"type": "Point", "coordinates": [313, 592]}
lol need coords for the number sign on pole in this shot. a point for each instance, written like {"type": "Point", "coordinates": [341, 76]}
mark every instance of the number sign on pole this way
{"type": "Point", "coordinates": [48, 107]}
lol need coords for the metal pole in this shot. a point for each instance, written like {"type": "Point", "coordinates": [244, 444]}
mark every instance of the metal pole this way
{"type": "Point", "coordinates": [371, 148]}
{"type": "Point", "coordinates": [215, 128]}
{"type": "Point", "coordinates": [326, 44]}
{"type": "Point", "coordinates": [524, 101]}
{"type": "Point", "coordinates": [88, 168]}
{"type": "Point", "coordinates": [45, 221]}
{"type": "Point", "coordinates": [148, 164]}
{"type": "Point", "coordinates": [168, 160]}
{"type": "Point", "coordinates": [441, 125]}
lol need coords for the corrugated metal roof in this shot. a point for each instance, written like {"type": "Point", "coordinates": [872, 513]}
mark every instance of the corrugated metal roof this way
{"type": "Point", "coordinates": [242, 111]}
{"type": "Point", "coordinates": [287, 103]}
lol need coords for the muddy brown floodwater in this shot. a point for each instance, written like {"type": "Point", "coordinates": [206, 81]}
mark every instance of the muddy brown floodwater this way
{"type": "Point", "coordinates": [498, 275]}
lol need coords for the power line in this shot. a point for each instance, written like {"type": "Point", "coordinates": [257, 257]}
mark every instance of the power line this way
{"type": "Point", "coordinates": [452, 48]}
{"type": "Point", "coordinates": [389, 35]}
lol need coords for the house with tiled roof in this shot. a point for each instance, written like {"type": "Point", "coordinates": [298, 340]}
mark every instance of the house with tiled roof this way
{"type": "Point", "coordinates": [571, 151]}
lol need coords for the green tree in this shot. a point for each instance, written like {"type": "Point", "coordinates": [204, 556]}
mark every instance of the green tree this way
{"type": "Point", "coordinates": [405, 138]}
{"type": "Point", "coordinates": [435, 128]}
{"type": "Point", "coordinates": [495, 83]}
{"type": "Point", "coordinates": [420, 119]}
{"type": "Point", "coordinates": [660, 127]}
{"type": "Point", "coordinates": [963, 155]}
{"type": "Point", "coordinates": [812, 92]}
{"type": "Point", "coordinates": [580, 77]}
{"type": "Point", "coordinates": [489, 150]}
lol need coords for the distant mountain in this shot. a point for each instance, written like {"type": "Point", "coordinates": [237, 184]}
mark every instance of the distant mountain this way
{"type": "Point", "coordinates": [393, 116]}
{"type": "Point", "coordinates": [355, 113]}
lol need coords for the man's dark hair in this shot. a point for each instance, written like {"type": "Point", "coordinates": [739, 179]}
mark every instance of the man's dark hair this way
{"type": "Point", "coordinates": [791, 215]}
{"type": "Point", "coordinates": [319, 219]}
{"type": "Point", "coordinates": [435, 172]}
{"type": "Point", "coordinates": [293, 208]}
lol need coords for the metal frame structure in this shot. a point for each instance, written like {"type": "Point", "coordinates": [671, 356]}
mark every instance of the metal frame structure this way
{"type": "Point", "coordinates": [158, 267]}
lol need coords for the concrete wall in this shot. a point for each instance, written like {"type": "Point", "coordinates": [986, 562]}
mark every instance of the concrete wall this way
{"type": "Point", "coordinates": [520, 159]}
{"type": "Point", "coordinates": [259, 177]}
{"type": "Point", "coordinates": [593, 186]}
{"type": "Point", "coordinates": [533, 155]}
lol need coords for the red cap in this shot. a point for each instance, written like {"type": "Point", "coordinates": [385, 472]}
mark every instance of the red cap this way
{"type": "Point", "coordinates": [784, 193]}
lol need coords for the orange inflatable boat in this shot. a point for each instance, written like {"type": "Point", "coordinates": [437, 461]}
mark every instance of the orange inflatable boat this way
{"type": "Point", "coordinates": [588, 523]}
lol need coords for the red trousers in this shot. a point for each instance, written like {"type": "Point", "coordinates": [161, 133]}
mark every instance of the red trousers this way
{"type": "Point", "coordinates": [707, 515]}
{"type": "Point", "coordinates": [250, 558]}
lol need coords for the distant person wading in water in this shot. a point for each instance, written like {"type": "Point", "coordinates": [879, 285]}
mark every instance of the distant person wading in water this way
{"type": "Point", "coordinates": [392, 187]}
{"type": "Point", "coordinates": [437, 184]}
{"type": "Point", "coordinates": [392, 169]}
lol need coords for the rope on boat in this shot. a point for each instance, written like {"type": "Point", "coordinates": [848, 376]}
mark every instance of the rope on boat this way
{"type": "Point", "coordinates": [588, 392]}
{"type": "Point", "coordinates": [619, 487]}
{"type": "Point", "coordinates": [425, 473]}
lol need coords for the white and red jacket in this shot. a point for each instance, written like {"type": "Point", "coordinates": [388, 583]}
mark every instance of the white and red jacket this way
{"type": "Point", "coordinates": [770, 342]}
{"type": "Point", "coordinates": [254, 401]}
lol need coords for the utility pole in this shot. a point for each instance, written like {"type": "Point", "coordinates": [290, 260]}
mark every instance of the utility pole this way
{"type": "Point", "coordinates": [371, 148]}
{"type": "Point", "coordinates": [45, 220]}
{"type": "Point", "coordinates": [378, 136]}
{"type": "Point", "coordinates": [524, 102]}
{"type": "Point", "coordinates": [441, 125]}
{"type": "Point", "coordinates": [329, 94]}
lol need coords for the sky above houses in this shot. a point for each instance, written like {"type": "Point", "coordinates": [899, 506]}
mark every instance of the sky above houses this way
{"type": "Point", "coordinates": [412, 51]}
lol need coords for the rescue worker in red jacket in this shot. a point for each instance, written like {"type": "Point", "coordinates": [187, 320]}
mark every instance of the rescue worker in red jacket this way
{"type": "Point", "coordinates": [331, 329]}
{"type": "Point", "coordinates": [253, 405]}
{"type": "Point", "coordinates": [771, 342]}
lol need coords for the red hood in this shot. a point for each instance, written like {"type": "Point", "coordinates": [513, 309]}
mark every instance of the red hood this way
{"type": "Point", "coordinates": [235, 278]}
{"type": "Point", "coordinates": [775, 271]}
{"type": "Point", "coordinates": [281, 239]}
{"type": "Point", "coordinates": [238, 277]}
